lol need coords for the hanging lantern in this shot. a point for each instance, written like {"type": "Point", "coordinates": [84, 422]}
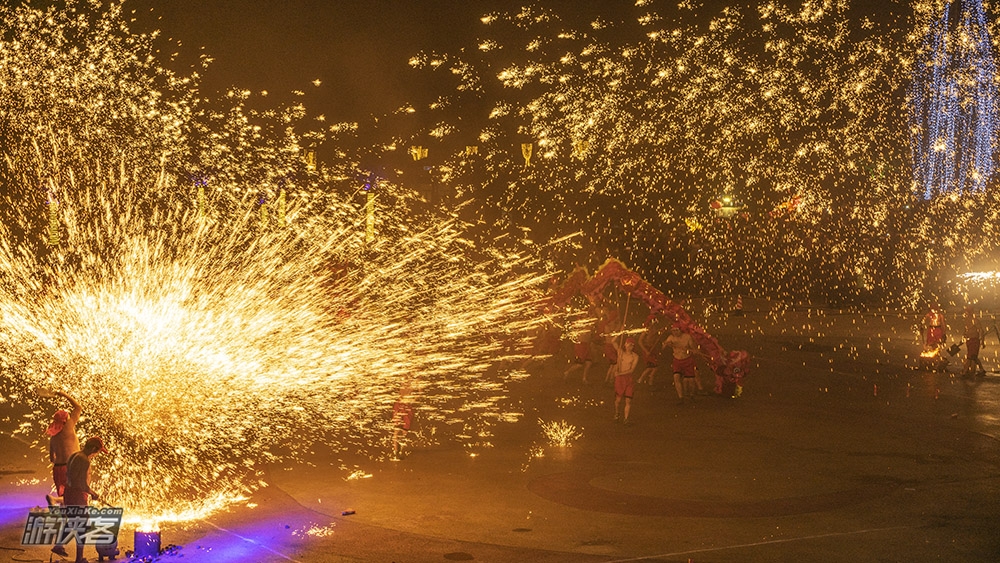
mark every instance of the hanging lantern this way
{"type": "Point", "coordinates": [526, 153]}
{"type": "Point", "coordinates": [53, 220]}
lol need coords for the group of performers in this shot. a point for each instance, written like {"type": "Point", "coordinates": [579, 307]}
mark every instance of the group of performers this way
{"type": "Point", "coordinates": [936, 336]}
{"type": "Point", "coordinates": [606, 333]}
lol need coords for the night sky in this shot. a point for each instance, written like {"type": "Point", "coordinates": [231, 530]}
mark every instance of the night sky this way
{"type": "Point", "coordinates": [359, 49]}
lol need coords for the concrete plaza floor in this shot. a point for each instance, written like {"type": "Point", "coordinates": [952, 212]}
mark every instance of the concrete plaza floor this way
{"type": "Point", "coordinates": [838, 450]}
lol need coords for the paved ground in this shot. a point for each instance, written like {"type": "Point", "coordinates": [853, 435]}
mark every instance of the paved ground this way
{"type": "Point", "coordinates": [838, 451]}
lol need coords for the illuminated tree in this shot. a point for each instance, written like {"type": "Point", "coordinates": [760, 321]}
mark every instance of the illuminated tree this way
{"type": "Point", "coordinates": [953, 103]}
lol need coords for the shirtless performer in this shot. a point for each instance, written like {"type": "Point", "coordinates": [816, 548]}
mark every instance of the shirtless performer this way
{"type": "Point", "coordinates": [607, 326]}
{"type": "Point", "coordinates": [650, 353]}
{"type": "Point", "coordinates": [63, 442]}
{"type": "Point", "coordinates": [624, 384]}
{"type": "Point", "coordinates": [685, 370]}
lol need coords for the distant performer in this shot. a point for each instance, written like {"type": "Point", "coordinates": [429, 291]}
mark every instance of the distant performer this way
{"type": "Point", "coordinates": [581, 354]}
{"type": "Point", "coordinates": [973, 343]}
{"type": "Point", "coordinates": [650, 354]}
{"type": "Point", "coordinates": [402, 419]}
{"type": "Point", "coordinates": [624, 384]}
{"type": "Point", "coordinates": [934, 322]}
{"type": "Point", "coordinates": [683, 364]}
{"type": "Point", "coordinates": [609, 324]}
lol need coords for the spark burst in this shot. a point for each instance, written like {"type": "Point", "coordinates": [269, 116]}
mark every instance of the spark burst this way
{"type": "Point", "coordinates": [203, 338]}
{"type": "Point", "coordinates": [561, 434]}
{"type": "Point", "coordinates": [797, 110]}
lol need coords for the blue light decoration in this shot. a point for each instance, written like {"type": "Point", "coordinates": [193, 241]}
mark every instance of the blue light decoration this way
{"type": "Point", "coordinates": [953, 104]}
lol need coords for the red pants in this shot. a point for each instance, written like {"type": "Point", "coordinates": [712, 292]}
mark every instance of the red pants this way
{"type": "Point", "coordinates": [59, 478]}
{"type": "Point", "coordinates": [935, 336]}
{"type": "Point", "coordinates": [972, 347]}
{"type": "Point", "coordinates": [76, 497]}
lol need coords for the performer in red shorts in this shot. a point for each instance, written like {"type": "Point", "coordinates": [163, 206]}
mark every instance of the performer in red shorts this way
{"type": "Point", "coordinates": [624, 384]}
{"type": "Point", "coordinates": [935, 322]}
{"type": "Point", "coordinates": [581, 353]}
{"type": "Point", "coordinates": [402, 418]}
{"type": "Point", "coordinates": [62, 442]}
{"type": "Point", "coordinates": [606, 327]}
{"type": "Point", "coordinates": [650, 353]}
{"type": "Point", "coordinates": [685, 370]}
{"type": "Point", "coordinates": [973, 342]}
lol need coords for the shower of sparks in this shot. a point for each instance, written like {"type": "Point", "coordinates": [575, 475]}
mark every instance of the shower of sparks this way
{"type": "Point", "coordinates": [954, 104]}
{"type": "Point", "coordinates": [561, 434]}
{"type": "Point", "coordinates": [799, 111]}
{"type": "Point", "coordinates": [201, 336]}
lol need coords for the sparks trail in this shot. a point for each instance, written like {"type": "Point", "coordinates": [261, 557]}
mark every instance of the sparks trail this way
{"type": "Point", "coordinates": [753, 151]}
{"type": "Point", "coordinates": [213, 325]}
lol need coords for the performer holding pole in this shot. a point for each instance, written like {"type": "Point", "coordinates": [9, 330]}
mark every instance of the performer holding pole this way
{"type": "Point", "coordinates": [616, 344]}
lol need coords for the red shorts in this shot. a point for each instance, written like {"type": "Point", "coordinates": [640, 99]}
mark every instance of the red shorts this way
{"type": "Point", "coordinates": [935, 336]}
{"type": "Point", "coordinates": [686, 367]}
{"type": "Point", "coordinates": [652, 360]}
{"type": "Point", "coordinates": [59, 478]}
{"type": "Point", "coordinates": [75, 497]}
{"type": "Point", "coordinates": [624, 385]}
{"type": "Point", "coordinates": [402, 415]}
{"type": "Point", "coordinates": [972, 347]}
{"type": "Point", "coordinates": [610, 353]}
{"type": "Point", "coordinates": [582, 351]}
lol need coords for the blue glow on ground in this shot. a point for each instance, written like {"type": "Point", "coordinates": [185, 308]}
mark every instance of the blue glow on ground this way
{"type": "Point", "coordinates": [14, 506]}
{"type": "Point", "coordinates": [953, 103]}
{"type": "Point", "coordinates": [272, 539]}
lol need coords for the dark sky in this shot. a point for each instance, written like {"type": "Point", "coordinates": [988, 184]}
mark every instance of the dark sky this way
{"type": "Point", "coordinates": [359, 49]}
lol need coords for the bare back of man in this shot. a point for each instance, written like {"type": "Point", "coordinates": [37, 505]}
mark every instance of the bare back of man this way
{"type": "Point", "coordinates": [65, 443]}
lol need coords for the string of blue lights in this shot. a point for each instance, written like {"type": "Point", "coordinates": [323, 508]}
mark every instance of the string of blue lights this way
{"type": "Point", "coordinates": [953, 104]}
